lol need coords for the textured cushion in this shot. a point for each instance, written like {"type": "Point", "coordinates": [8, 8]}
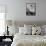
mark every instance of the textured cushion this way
{"type": "Point", "coordinates": [36, 30]}
{"type": "Point", "coordinates": [13, 30]}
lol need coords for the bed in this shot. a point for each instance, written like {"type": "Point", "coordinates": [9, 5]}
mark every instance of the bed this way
{"type": "Point", "coordinates": [29, 40]}
{"type": "Point", "coordinates": [21, 39]}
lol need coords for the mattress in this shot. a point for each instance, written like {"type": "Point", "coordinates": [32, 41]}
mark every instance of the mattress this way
{"type": "Point", "coordinates": [28, 40]}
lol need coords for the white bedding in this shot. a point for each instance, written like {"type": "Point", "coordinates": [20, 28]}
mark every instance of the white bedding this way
{"type": "Point", "coordinates": [29, 40]}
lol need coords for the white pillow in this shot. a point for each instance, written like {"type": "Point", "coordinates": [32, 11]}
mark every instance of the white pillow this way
{"type": "Point", "coordinates": [36, 30]}
{"type": "Point", "coordinates": [44, 27]}
{"type": "Point", "coordinates": [24, 30]}
{"type": "Point", "coordinates": [42, 30]}
{"type": "Point", "coordinates": [28, 31]}
{"type": "Point", "coordinates": [28, 26]}
{"type": "Point", "coordinates": [21, 30]}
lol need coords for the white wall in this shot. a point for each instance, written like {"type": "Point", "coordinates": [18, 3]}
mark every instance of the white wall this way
{"type": "Point", "coordinates": [17, 10]}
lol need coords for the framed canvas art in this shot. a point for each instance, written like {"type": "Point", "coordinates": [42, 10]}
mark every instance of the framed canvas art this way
{"type": "Point", "coordinates": [30, 9]}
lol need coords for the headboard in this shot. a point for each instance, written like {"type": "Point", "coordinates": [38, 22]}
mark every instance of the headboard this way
{"type": "Point", "coordinates": [21, 23]}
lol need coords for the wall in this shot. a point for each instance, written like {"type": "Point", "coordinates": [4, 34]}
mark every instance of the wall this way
{"type": "Point", "coordinates": [21, 9]}
{"type": "Point", "coordinates": [17, 10]}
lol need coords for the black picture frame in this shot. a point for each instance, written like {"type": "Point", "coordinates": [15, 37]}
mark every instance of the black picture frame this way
{"type": "Point", "coordinates": [30, 9]}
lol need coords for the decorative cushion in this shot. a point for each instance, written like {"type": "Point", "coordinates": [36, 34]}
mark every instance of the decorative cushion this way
{"type": "Point", "coordinates": [13, 30]}
{"type": "Point", "coordinates": [36, 30]}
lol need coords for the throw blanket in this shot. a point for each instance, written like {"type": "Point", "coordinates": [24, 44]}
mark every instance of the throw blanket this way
{"type": "Point", "coordinates": [29, 40]}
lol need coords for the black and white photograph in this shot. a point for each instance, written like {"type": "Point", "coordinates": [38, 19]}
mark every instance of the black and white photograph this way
{"type": "Point", "coordinates": [30, 9]}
